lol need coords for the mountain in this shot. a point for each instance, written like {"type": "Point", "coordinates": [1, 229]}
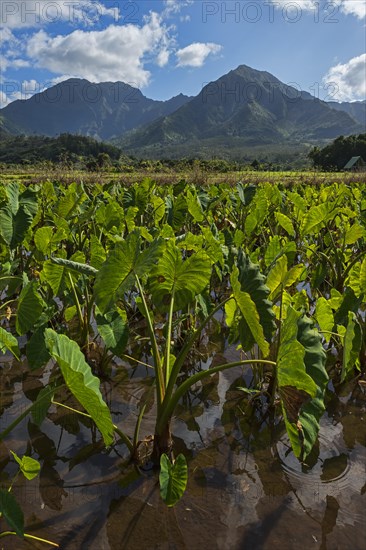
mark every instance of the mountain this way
{"type": "Point", "coordinates": [77, 106]}
{"type": "Point", "coordinates": [7, 128]}
{"type": "Point", "coordinates": [243, 108]}
{"type": "Point", "coordinates": [356, 109]}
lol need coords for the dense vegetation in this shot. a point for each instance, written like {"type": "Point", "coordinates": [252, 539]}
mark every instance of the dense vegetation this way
{"type": "Point", "coordinates": [84, 153]}
{"type": "Point", "coordinates": [336, 155]}
{"type": "Point", "coordinates": [66, 148]}
{"type": "Point", "coordinates": [281, 273]}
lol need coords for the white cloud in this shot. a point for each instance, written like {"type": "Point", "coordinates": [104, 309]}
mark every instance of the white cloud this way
{"type": "Point", "coordinates": [354, 7]}
{"type": "Point", "coordinates": [349, 79]}
{"type": "Point", "coordinates": [26, 90]}
{"type": "Point", "coordinates": [175, 6]}
{"type": "Point", "coordinates": [305, 5]}
{"type": "Point", "coordinates": [4, 100]}
{"type": "Point", "coordinates": [15, 14]}
{"type": "Point", "coordinates": [195, 54]}
{"type": "Point", "coordinates": [115, 53]}
{"type": "Point", "coordinates": [163, 58]}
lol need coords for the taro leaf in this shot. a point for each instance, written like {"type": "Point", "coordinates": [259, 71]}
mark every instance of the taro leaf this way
{"type": "Point", "coordinates": [183, 279]}
{"type": "Point", "coordinates": [317, 217]}
{"type": "Point", "coordinates": [54, 275]}
{"type": "Point", "coordinates": [28, 466]}
{"type": "Point", "coordinates": [173, 479]}
{"type": "Point", "coordinates": [117, 274]}
{"type": "Point", "coordinates": [37, 353]}
{"type": "Point", "coordinates": [80, 380]}
{"type": "Point", "coordinates": [17, 216]}
{"type": "Point", "coordinates": [324, 316]}
{"type": "Point", "coordinates": [286, 223]}
{"type": "Point", "coordinates": [8, 341]}
{"type": "Point", "coordinates": [113, 328]}
{"type": "Point", "coordinates": [12, 512]}
{"type": "Point", "coordinates": [314, 359]}
{"type": "Point", "coordinates": [293, 380]}
{"type": "Point", "coordinates": [159, 208]}
{"type": "Point", "coordinates": [246, 193]}
{"type": "Point", "coordinates": [273, 250]}
{"type": "Point", "coordinates": [10, 283]}
{"type": "Point", "coordinates": [176, 210]}
{"type": "Point", "coordinates": [30, 307]}
{"type": "Point", "coordinates": [354, 233]}
{"type": "Point", "coordinates": [363, 277]}
{"type": "Point", "coordinates": [352, 346]}
{"type": "Point", "coordinates": [42, 404]}
{"type": "Point", "coordinates": [43, 238]}
{"type": "Point", "coordinates": [249, 312]}
{"type": "Point", "coordinates": [84, 269]}
{"type": "Point", "coordinates": [194, 206]}
{"type": "Point", "coordinates": [258, 211]}
{"type": "Point", "coordinates": [97, 252]}
{"type": "Point", "coordinates": [253, 283]}
{"type": "Point", "coordinates": [350, 302]}
{"type": "Point", "coordinates": [280, 277]}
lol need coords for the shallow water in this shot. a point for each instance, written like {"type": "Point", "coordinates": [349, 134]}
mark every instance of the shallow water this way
{"type": "Point", "coordinates": [246, 489]}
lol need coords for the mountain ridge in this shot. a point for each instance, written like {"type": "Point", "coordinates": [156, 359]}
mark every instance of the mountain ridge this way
{"type": "Point", "coordinates": [244, 107]}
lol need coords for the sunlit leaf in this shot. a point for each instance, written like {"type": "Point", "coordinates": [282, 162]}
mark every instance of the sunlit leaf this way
{"type": "Point", "coordinates": [30, 307]}
{"type": "Point", "coordinates": [28, 466]}
{"type": "Point", "coordinates": [324, 316]}
{"type": "Point", "coordinates": [8, 342]}
{"type": "Point", "coordinates": [249, 312]}
{"type": "Point", "coordinates": [173, 479]}
{"type": "Point", "coordinates": [117, 274]}
{"type": "Point", "coordinates": [183, 278]}
{"type": "Point", "coordinates": [80, 380]}
{"type": "Point", "coordinates": [113, 328]}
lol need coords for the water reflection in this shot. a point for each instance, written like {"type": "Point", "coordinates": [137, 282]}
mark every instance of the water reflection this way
{"type": "Point", "coordinates": [246, 489]}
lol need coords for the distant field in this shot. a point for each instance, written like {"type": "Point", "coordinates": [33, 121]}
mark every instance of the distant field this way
{"type": "Point", "coordinates": [198, 177]}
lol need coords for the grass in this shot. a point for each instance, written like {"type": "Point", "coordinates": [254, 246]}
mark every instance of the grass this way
{"type": "Point", "coordinates": [197, 177]}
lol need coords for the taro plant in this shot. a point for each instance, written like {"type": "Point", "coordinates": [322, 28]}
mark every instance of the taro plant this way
{"type": "Point", "coordinates": [179, 286]}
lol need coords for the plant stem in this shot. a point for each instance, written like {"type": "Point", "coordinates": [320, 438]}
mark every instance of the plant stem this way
{"type": "Point", "coordinates": [27, 536]}
{"type": "Point", "coordinates": [154, 346]}
{"type": "Point", "coordinates": [178, 363]}
{"type": "Point", "coordinates": [123, 436]}
{"type": "Point", "coordinates": [168, 341]}
{"type": "Point", "coordinates": [169, 407]}
{"type": "Point", "coordinates": [77, 303]}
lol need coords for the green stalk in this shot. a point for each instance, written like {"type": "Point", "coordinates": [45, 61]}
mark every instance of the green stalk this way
{"type": "Point", "coordinates": [168, 341]}
{"type": "Point", "coordinates": [178, 363]}
{"type": "Point", "coordinates": [137, 427]}
{"type": "Point", "coordinates": [169, 407]}
{"type": "Point", "coordinates": [77, 303]}
{"type": "Point", "coordinates": [154, 346]}
{"type": "Point", "coordinates": [27, 536]}
{"type": "Point", "coordinates": [123, 436]}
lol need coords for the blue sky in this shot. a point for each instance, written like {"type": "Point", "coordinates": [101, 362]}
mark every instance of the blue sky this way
{"type": "Point", "coordinates": [165, 47]}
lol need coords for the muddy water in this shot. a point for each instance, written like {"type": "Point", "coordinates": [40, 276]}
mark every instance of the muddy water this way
{"type": "Point", "coordinates": [246, 490]}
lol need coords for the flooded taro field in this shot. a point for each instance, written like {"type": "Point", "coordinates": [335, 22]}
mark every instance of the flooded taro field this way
{"type": "Point", "coordinates": [246, 488]}
{"type": "Point", "coordinates": [182, 368]}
